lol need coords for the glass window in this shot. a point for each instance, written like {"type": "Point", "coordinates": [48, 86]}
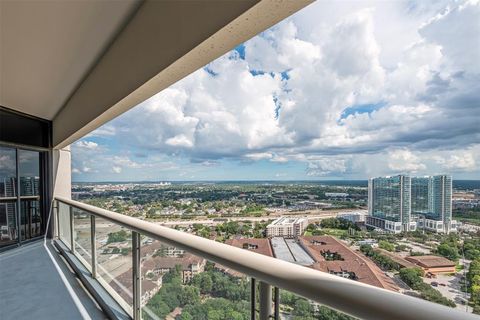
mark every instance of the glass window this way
{"type": "Point", "coordinates": [20, 195]}
{"type": "Point", "coordinates": [8, 183]}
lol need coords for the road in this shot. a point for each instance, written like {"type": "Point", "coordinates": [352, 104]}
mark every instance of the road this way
{"type": "Point", "coordinates": [212, 222]}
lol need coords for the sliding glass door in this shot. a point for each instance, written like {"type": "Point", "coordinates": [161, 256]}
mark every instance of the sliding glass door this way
{"type": "Point", "coordinates": [21, 186]}
{"type": "Point", "coordinates": [8, 196]}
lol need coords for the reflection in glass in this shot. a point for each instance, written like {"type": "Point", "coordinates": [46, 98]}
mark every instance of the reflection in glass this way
{"type": "Point", "coordinates": [30, 219]}
{"type": "Point", "coordinates": [8, 182]}
{"type": "Point", "coordinates": [8, 223]}
{"type": "Point", "coordinates": [30, 211]}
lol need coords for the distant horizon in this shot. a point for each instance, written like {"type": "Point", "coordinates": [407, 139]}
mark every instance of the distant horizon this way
{"type": "Point", "coordinates": [239, 180]}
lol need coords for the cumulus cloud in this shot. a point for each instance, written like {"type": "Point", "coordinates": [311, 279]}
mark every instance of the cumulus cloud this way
{"type": "Point", "coordinates": [326, 167]}
{"type": "Point", "coordinates": [458, 162]}
{"type": "Point", "coordinates": [84, 144]}
{"type": "Point", "coordinates": [391, 83]}
{"type": "Point", "coordinates": [405, 161]}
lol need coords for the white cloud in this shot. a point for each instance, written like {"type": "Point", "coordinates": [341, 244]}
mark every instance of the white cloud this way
{"type": "Point", "coordinates": [90, 145]}
{"type": "Point", "coordinates": [326, 167]}
{"type": "Point", "coordinates": [403, 160]}
{"type": "Point", "coordinates": [458, 162]}
{"type": "Point", "coordinates": [328, 88]}
{"type": "Point", "coordinates": [117, 169]}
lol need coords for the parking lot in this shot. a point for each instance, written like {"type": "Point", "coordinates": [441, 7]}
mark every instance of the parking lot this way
{"type": "Point", "coordinates": [449, 287]}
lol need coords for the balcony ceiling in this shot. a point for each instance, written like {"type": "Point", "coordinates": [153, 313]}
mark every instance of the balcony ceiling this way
{"type": "Point", "coordinates": [82, 63]}
{"type": "Point", "coordinates": [48, 47]}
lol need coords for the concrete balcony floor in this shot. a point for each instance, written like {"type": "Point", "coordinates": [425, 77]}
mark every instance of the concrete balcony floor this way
{"type": "Point", "coordinates": [36, 283]}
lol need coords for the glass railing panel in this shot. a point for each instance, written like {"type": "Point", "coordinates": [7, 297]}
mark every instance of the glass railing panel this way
{"type": "Point", "coordinates": [114, 261]}
{"type": "Point", "coordinates": [82, 236]}
{"type": "Point", "coordinates": [179, 285]}
{"type": "Point", "coordinates": [64, 223]}
{"type": "Point", "coordinates": [293, 306]}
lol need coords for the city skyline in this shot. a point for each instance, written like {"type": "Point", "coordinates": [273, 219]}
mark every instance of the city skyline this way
{"type": "Point", "coordinates": [325, 94]}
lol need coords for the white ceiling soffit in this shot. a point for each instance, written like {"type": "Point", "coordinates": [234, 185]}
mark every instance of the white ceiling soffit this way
{"type": "Point", "coordinates": [48, 47]}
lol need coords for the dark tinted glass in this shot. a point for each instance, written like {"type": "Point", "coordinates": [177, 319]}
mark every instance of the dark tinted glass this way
{"type": "Point", "coordinates": [8, 182]}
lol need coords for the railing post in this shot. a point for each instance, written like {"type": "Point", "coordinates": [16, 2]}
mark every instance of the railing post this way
{"type": "Point", "coordinates": [57, 218]}
{"type": "Point", "coordinates": [93, 245]}
{"type": "Point", "coordinates": [276, 301]}
{"type": "Point", "coordinates": [136, 275]}
{"type": "Point", "coordinates": [265, 301]}
{"type": "Point", "coordinates": [72, 229]}
{"type": "Point", "coordinates": [253, 299]}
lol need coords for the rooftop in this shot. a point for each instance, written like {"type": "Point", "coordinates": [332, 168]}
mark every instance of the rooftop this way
{"type": "Point", "coordinates": [287, 220]}
{"type": "Point", "coordinates": [431, 261]}
{"type": "Point", "coordinates": [261, 246]}
{"type": "Point", "coordinates": [365, 270]}
{"type": "Point", "coordinates": [401, 261]}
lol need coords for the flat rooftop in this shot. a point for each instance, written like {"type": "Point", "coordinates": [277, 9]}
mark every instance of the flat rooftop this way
{"type": "Point", "coordinates": [299, 254]}
{"type": "Point", "coordinates": [286, 220]}
{"type": "Point", "coordinates": [281, 250]}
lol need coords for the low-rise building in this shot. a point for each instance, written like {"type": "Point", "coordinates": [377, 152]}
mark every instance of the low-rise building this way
{"type": "Point", "coordinates": [287, 227]}
{"type": "Point", "coordinates": [403, 263]}
{"type": "Point", "coordinates": [433, 264]}
{"type": "Point", "coordinates": [333, 256]}
{"type": "Point", "coordinates": [189, 264]}
{"type": "Point", "coordinates": [353, 216]}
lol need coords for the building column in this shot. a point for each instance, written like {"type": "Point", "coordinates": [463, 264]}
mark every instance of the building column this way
{"type": "Point", "coordinates": [62, 172]}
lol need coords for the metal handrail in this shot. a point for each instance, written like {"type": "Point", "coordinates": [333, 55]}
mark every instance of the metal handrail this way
{"type": "Point", "coordinates": [347, 296]}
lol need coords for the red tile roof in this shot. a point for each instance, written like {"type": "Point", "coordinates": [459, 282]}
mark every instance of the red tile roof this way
{"type": "Point", "coordinates": [364, 269]}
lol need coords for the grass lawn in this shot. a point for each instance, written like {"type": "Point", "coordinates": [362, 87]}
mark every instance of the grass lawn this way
{"type": "Point", "coordinates": [334, 232]}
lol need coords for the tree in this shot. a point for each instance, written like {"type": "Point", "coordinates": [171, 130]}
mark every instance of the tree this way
{"type": "Point", "coordinates": [386, 245]}
{"type": "Point", "coordinates": [302, 308]}
{"type": "Point", "coordinates": [411, 276]}
{"type": "Point", "coordinates": [448, 251]}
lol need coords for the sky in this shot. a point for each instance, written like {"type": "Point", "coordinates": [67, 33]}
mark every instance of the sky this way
{"type": "Point", "coordinates": [339, 90]}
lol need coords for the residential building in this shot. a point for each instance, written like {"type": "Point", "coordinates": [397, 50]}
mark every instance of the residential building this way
{"type": "Point", "coordinates": [354, 216]}
{"type": "Point", "coordinates": [432, 203]}
{"type": "Point", "coordinates": [389, 205]}
{"type": "Point", "coordinates": [323, 253]}
{"type": "Point", "coordinates": [189, 265]}
{"type": "Point", "coordinates": [333, 256]}
{"type": "Point", "coordinates": [401, 203]}
{"type": "Point", "coordinates": [287, 227]}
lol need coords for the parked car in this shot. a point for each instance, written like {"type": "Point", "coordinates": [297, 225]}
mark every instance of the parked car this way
{"type": "Point", "coordinates": [434, 284]}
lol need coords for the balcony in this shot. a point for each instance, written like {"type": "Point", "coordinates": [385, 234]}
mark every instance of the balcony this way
{"type": "Point", "coordinates": [81, 232]}
{"type": "Point", "coordinates": [70, 260]}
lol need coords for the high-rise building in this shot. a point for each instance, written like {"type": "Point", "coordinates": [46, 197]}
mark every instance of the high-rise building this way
{"type": "Point", "coordinates": [420, 195]}
{"type": "Point", "coordinates": [401, 203]}
{"type": "Point", "coordinates": [437, 216]}
{"type": "Point", "coordinates": [389, 204]}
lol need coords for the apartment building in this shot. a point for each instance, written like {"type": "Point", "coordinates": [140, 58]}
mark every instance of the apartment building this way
{"type": "Point", "coordinates": [287, 227]}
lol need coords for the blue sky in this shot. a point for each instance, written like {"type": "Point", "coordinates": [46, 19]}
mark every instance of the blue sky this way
{"type": "Point", "coordinates": [340, 90]}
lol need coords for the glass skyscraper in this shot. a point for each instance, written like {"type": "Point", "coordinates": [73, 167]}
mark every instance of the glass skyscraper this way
{"type": "Point", "coordinates": [400, 203]}
{"type": "Point", "coordinates": [389, 203]}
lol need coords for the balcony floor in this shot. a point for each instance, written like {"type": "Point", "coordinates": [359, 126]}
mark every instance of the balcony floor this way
{"type": "Point", "coordinates": [32, 288]}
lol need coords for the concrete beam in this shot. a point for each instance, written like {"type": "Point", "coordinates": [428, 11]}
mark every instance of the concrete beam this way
{"type": "Point", "coordinates": [164, 42]}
